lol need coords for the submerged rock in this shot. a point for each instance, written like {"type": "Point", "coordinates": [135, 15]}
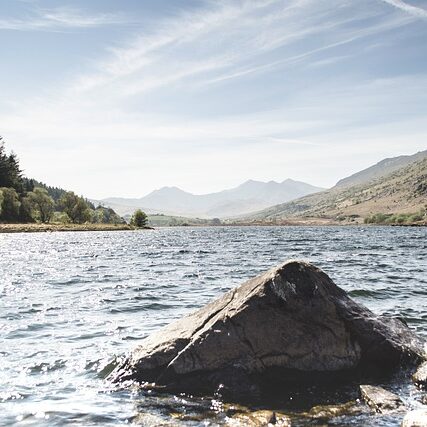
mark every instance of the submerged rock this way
{"type": "Point", "coordinates": [381, 400]}
{"type": "Point", "coordinates": [289, 324]}
{"type": "Point", "coordinates": [328, 412]}
{"type": "Point", "coordinates": [259, 419]}
{"type": "Point", "coordinates": [417, 418]}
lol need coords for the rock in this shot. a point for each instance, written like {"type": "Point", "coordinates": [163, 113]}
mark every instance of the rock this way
{"type": "Point", "coordinates": [258, 419]}
{"type": "Point", "coordinates": [327, 412]}
{"type": "Point", "coordinates": [150, 420]}
{"type": "Point", "coordinates": [417, 418]}
{"type": "Point", "coordinates": [420, 375]}
{"type": "Point", "coordinates": [381, 400]}
{"type": "Point", "coordinates": [290, 324]}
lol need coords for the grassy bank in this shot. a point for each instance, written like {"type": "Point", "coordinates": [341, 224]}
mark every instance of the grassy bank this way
{"type": "Point", "coordinates": [417, 218]}
{"type": "Point", "coordinates": [33, 228]}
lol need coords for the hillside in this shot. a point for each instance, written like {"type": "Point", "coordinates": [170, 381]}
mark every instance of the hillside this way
{"type": "Point", "coordinates": [248, 197]}
{"type": "Point", "coordinates": [402, 191]}
{"type": "Point", "coordinates": [381, 169]}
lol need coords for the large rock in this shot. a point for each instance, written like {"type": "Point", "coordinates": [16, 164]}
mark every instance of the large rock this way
{"type": "Point", "coordinates": [291, 323]}
{"type": "Point", "coordinates": [381, 400]}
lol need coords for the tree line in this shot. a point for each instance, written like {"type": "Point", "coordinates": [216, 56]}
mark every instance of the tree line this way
{"type": "Point", "coordinates": [27, 200]}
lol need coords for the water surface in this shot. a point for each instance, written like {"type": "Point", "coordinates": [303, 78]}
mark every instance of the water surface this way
{"type": "Point", "coordinates": [71, 302]}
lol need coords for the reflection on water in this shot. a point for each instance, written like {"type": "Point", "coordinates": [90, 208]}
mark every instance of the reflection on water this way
{"type": "Point", "coordinates": [71, 302]}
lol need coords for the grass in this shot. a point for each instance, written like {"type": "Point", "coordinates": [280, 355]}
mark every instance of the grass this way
{"type": "Point", "coordinates": [397, 219]}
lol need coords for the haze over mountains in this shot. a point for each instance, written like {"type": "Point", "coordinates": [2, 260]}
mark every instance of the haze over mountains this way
{"type": "Point", "coordinates": [251, 196]}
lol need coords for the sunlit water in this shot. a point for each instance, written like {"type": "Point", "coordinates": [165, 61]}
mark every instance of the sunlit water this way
{"type": "Point", "coordinates": [71, 302]}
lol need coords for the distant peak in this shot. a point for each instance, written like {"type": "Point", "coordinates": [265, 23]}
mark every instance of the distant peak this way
{"type": "Point", "coordinates": [170, 188]}
{"type": "Point", "coordinates": [167, 191]}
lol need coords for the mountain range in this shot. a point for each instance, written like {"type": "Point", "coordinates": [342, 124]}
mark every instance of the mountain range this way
{"type": "Point", "coordinates": [393, 186]}
{"type": "Point", "coordinates": [251, 196]}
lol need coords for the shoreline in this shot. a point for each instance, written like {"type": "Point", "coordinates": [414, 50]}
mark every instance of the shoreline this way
{"type": "Point", "coordinates": [44, 228]}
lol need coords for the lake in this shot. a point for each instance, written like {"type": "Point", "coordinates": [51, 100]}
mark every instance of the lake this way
{"type": "Point", "coordinates": [71, 302]}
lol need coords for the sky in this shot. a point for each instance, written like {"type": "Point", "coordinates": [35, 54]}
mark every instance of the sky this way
{"type": "Point", "coordinates": [118, 98]}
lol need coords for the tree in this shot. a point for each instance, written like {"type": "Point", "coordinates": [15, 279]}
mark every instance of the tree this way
{"type": "Point", "coordinates": [103, 215]}
{"type": "Point", "coordinates": [75, 207]}
{"type": "Point", "coordinates": [41, 204]}
{"type": "Point", "coordinates": [10, 204]}
{"type": "Point", "coordinates": [81, 212]}
{"type": "Point", "coordinates": [25, 210]}
{"type": "Point", "coordinates": [10, 172]}
{"type": "Point", "coordinates": [139, 219]}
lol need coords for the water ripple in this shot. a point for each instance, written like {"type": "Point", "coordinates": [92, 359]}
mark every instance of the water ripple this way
{"type": "Point", "coordinates": [71, 302]}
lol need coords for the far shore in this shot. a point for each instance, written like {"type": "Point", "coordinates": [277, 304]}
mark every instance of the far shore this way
{"type": "Point", "coordinates": [34, 228]}
{"type": "Point", "coordinates": [312, 222]}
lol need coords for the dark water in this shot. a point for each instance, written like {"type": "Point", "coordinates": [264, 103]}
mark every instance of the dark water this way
{"type": "Point", "coordinates": [71, 302]}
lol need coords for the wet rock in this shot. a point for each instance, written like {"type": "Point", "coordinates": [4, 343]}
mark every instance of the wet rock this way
{"type": "Point", "coordinates": [416, 418]}
{"type": "Point", "coordinates": [381, 400]}
{"type": "Point", "coordinates": [288, 325]}
{"type": "Point", "coordinates": [259, 419]}
{"type": "Point", "coordinates": [328, 412]}
{"type": "Point", "coordinates": [150, 420]}
{"type": "Point", "coordinates": [420, 375]}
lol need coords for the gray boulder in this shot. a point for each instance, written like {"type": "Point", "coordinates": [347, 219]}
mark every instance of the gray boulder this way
{"type": "Point", "coordinates": [289, 324]}
{"type": "Point", "coordinates": [381, 400]}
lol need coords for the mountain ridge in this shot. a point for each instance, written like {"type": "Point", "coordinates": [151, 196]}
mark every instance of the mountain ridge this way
{"type": "Point", "coordinates": [402, 191]}
{"type": "Point", "coordinates": [381, 168]}
{"type": "Point", "coordinates": [250, 196]}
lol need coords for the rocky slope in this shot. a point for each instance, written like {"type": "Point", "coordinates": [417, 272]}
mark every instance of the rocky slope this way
{"type": "Point", "coordinates": [402, 191]}
{"type": "Point", "coordinates": [380, 169]}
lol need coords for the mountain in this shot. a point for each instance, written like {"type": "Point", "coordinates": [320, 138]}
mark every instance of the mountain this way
{"type": "Point", "coordinates": [248, 197]}
{"type": "Point", "coordinates": [402, 190]}
{"type": "Point", "coordinates": [382, 168]}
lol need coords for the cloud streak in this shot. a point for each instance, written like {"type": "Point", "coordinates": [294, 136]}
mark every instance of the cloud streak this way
{"type": "Point", "coordinates": [203, 85]}
{"type": "Point", "coordinates": [60, 19]}
{"type": "Point", "coordinates": [250, 37]}
{"type": "Point", "coordinates": [408, 8]}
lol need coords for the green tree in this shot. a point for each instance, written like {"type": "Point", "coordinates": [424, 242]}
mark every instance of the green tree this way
{"type": "Point", "coordinates": [75, 207]}
{"type": "Point", "coordinates": [42, 205]}
{"type": "Point", "coordinates": [10, 172]}
{"type": "Point", "coordinates": [98, 216]}
{"type": "Point", "coordinates": [139, 219]}
{"type": "Point", "coordinates": [25, 210]}
{"type": "Point", "coordinates": [81, 212]}
{"type": "Point", "coordinates": [10, 204]}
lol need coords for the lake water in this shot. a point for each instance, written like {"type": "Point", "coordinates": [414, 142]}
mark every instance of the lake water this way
{"type": "Point", "coordinates": [71, 302]}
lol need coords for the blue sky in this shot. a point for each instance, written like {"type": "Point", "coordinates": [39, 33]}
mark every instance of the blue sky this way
{"type": "Point", "coordinates": [109, 97]}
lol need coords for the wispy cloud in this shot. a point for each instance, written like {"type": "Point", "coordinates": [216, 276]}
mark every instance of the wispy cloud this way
{"type": "Point", "coordinates": [193, 90]}
{"type": "Point", "coordinates": [231, 41]}
{"type": "Point", "coordinates": [62, 18]}
{"type": "Point", "coordinates": [412, 10]}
